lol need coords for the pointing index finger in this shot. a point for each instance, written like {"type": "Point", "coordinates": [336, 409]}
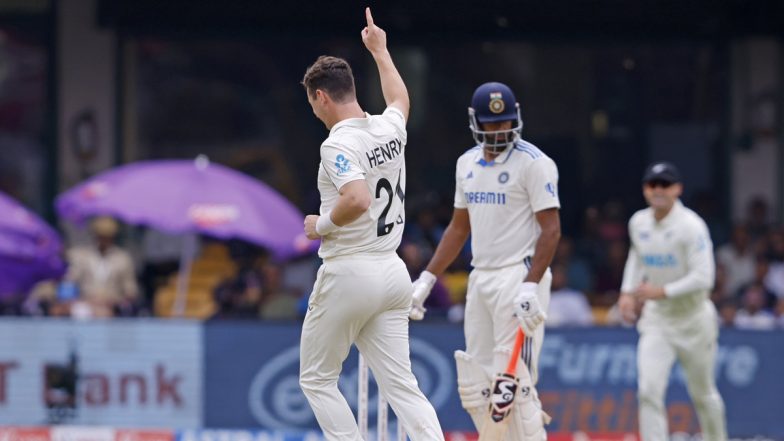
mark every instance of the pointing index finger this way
{"type": "Point", "coordinates": [368, 16]}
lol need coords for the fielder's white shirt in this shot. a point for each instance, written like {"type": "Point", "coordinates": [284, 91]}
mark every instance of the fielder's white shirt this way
{"type": "Point", "coordinates": [675, 253]}
{"type": "Point", "coordinates": [373, 149]}
{"type": "Point", "coordinates": [502, 197]}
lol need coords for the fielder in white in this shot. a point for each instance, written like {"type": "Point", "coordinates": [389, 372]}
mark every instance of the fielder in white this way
{"type": "Point", "coordinates": [362, 294]}
{"type": "Point", "coordinates": [506, 198]}
{"type": "Point", "coordinates": [669, 273]}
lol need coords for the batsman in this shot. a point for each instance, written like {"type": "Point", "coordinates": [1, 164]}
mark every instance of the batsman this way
{"type": "Point", "coordinates": [506, 199]}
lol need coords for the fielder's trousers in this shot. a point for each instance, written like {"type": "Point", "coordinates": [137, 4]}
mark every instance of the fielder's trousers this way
{"type": "Point", "coordinates": [691, 340]}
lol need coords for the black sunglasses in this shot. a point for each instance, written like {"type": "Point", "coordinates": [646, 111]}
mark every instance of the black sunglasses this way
{"type": "Point", "coordinates": [659, 183]}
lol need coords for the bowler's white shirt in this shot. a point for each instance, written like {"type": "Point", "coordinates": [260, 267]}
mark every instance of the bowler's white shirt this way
{"type": "Point", "coordinates": [675, 253]}
{"type": "Point", "coordinates": [370, 148]}
{"type": "Point", "coordinates": [502, 197]}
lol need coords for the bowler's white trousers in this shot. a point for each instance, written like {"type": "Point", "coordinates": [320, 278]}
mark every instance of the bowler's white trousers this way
{"type": "Point", "coordinates": [362, 299]}
{"type": "Point", "coordinates": [692, 340]}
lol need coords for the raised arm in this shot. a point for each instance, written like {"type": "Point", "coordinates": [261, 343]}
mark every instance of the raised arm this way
{"type": "Point", "coordinates": [392, 85]}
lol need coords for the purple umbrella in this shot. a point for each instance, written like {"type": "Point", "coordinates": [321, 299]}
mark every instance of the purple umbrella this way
{"type": "Point", "coordinates": [29, 249]}
{"type": "Point", "coordinates": [180, 196]}
{"type": "Point", "coordinates": [19, 275]}
{"type": "Point", "coordinates": [22, 226]}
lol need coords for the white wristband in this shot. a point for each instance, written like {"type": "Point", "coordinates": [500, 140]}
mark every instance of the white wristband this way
{"type": "Point", "coordinates": [428, 278]}
{"type": "Point", "coordinates": [324, 224]}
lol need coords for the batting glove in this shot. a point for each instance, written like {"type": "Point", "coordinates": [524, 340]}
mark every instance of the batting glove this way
{"type": "Point", "coordinates": [422, 286]}
{"type": "Point", "coordinates": [527, 309]}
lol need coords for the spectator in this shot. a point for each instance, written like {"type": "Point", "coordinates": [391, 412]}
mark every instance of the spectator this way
{"type": "Point", "coordinates": [727, 309]}
{"type": "Point", "coordinates": [589, 243]}
{"type": "Point", "coordinates": [52, 298]}
{"type": "Point", "coordinates": [720, 292]}
{"type": "Point", "coordinates": [425, 227]}
{"type": "Point", "coordinates": [757, 219]}
{"type": "Point", "coordinates": [737, 260]}
{"type": "Point", "coordinates": [416, 257]}
{"type": "Point", "coordinates": [161, 258]}
{"type": "Point", "coordinates": [104, 273]}
{"type": "Point", "coordinates": [774, 279]}
{"type": "Point", "coordinates": [568, 307]}
{"type": "Point", "coordinates": [241, 296]}
{"type": "Point", "coordinates": [760, 274]}
{"type": "Point", "coordinates": [299, 274]}
{"type": "Point", "coordinates": [612, 226]}
{"type": "Point", "coordinates": [578, 271]}
{"type": "Point", "coordinates": [610, 274]}
{"type": "Point", "coordinates": [279, 302]}
{"type": "Point", "coordinates": [753, 314]}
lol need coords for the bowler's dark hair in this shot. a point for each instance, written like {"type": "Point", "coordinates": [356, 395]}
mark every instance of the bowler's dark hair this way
{"type": "Point", "coordinates": [333, 76]}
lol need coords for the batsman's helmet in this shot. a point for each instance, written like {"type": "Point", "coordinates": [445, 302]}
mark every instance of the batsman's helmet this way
{"type": "Point", "coordinates": [494, 102]}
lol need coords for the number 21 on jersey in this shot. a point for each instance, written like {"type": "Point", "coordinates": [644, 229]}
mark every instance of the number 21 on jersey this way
{"type": "Point", "coordinates": [384, 191]}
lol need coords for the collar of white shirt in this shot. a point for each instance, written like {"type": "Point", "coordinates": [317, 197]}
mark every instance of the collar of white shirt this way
{"type": "Point", "coordinates": [351, 122]}
{"type": "Point", "coordinates": [673, 214]}
{"type": "Point", "coordinates": [479, 157]}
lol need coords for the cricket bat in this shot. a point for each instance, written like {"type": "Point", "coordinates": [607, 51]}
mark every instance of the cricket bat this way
{"type": "Point", "coordinates": [502, 396]}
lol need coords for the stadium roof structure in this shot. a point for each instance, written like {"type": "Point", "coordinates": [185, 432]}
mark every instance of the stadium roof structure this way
{"type": "Point", "coordinates": [640, 19]}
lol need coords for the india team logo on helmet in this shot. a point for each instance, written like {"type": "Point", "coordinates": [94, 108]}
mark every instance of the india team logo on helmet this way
{"type": "Point", "coordinates": [496, 102]}
{"type": "Point", "coordinates": [493, 103]}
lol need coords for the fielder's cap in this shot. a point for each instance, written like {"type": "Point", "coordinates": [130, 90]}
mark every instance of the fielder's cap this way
{"type": "Point", "coordinates": [662, 171]}
{"type": "Point", "coordinates": [493, 102]}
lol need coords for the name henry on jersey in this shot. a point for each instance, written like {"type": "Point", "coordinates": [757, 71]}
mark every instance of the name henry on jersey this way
{"type": "Point", "coordinates": [384, 153]}
{"type": "Point", "coordinates": [485, 197]}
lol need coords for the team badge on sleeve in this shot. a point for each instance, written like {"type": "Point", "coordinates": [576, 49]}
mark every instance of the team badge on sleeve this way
{"type": "Point", "coordinates": [551, 188]}
{"type": "Point", "coordinates": [342, 164]}
{"type": "Point", "coordinates": [702, 243]}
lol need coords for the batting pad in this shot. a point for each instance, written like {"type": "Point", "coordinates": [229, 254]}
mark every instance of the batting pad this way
{"type": "Point", "coordinates": [473, 387]}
